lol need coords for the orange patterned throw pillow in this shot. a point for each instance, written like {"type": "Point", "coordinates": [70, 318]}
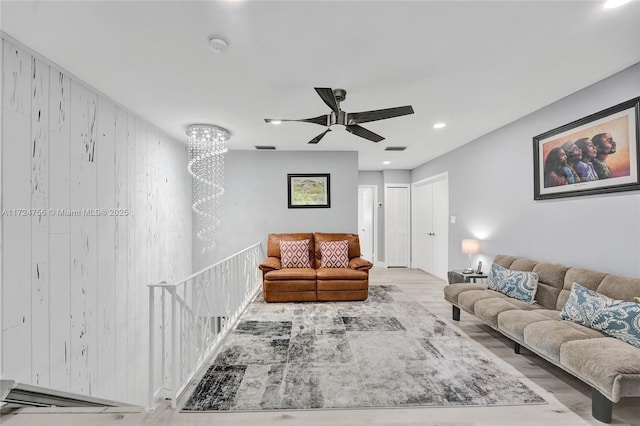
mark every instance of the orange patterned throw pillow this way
{"type": "Point", "coordinates": [335, 254]}
{"type": "Point", "coordinates": [295, 254]}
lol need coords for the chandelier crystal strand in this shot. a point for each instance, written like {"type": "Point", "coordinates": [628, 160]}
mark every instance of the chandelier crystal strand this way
{"type": "Point", "coordinates": [206, 167]}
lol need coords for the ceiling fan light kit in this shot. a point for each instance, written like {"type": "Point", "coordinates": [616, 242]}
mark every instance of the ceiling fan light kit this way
{"type": "Point", "coordinates": [339, 119]}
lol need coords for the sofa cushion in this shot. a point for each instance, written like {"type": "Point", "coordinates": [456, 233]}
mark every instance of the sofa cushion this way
{"type": "Point", "coordinates": [291, 274]}
{"type": "Point", "coordinates": [294, 254]}
{"type": "Point", "coordinates": [586, 277]}
{"type": "Point", "coordinates": [517, 284]}
{"type": "Point", "coordinates": [468, 299]}
{"type": "Point", "coordinates": [504, 260]}
{"type": "Point", "coordinates": [273, 243]}
{"type": "Point", "coordinates": [607, 364]}
{"type": "Point", "coordinates": [334, 254]}
{"type": "Point", "coordinates": [452, 291]}
{"type": "Point", "coordinates": [547, 337]}
{"type": "Point", "coordinates": [352, 239]}
{"type": "Point", "coordinates": [619, 287]}
{"type": "Point", "coordinates": [489, 309]}
{"type": "Point", "coordinates": [617, 318]}
{"type": "Point", "coordinates": [550, 283]}
{"type": "Point", "coordinates": [512, 323]}
{"type": "Point", "coordinates": [341, 274]}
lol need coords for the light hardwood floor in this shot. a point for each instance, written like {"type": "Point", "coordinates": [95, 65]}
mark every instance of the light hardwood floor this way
{"type": "Point", "coordinates": [569, 399]}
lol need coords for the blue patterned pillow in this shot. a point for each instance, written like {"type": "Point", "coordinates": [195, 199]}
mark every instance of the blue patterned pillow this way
{"type": "Point", "coordinates": [517, 284]}
{"type": "Point", "coordinates": [617, 318]}
{"type": "Point", "coordinates": [496, 274]}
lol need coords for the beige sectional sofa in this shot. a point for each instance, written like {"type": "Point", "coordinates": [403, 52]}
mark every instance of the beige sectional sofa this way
{"type": "Point", "coordinates": [609, 365]}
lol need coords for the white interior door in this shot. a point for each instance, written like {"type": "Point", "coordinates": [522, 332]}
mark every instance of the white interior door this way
{"type": "Point", "coordinates": [440, 217]}
{"type": "Point", "coordinates": [397, 225]}
{"type": "Point", "coordinates": [422, 225]}
{"type": "Point", "coordinates": [430, 235]}
{"type": "Point", "coordinates": [366, 229]}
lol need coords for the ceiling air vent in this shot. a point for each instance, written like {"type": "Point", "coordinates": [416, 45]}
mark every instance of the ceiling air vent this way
{"type": "Point", "coordinates": [395, 148]}
{"type": "Point", "coordinates": [265, 147]}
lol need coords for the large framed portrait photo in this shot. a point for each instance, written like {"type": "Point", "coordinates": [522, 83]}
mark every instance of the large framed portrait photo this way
{"type": "Point", "coordinates": [593, 155]}
{"type": "Point", "coordinates": [309, 190]}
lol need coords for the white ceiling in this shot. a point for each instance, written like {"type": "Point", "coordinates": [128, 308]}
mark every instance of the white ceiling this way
{"type": "Point", "coordinates": [476, 65]}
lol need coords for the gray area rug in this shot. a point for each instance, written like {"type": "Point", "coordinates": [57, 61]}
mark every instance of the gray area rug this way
{"type": "Point", "coordinates": [388, 351]}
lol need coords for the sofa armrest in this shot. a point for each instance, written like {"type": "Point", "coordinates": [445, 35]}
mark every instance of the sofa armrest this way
{"type": "Point", "coordinates": [360, 264]}
{"type": "Point", "coordinates": [270, 264]}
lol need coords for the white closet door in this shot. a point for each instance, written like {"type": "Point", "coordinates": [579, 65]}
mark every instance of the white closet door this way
{"type": "Point", "coordinates": [430, 226]}
{"type": "Point", "coordinates": [397, 227]}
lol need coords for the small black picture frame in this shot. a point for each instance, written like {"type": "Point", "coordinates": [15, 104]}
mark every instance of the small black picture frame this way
{"type": "Point", "coordinates": [309, 190]}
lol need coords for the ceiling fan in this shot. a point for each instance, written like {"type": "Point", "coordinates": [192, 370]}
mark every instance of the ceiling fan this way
{"type": "Point", "coordinates": [350, 121]}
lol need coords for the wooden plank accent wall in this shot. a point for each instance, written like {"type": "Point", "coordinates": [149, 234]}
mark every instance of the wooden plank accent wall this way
{"type": "Point", "coordinates": [116, 197]}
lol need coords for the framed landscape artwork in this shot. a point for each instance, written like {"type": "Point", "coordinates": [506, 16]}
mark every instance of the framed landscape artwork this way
{"type": "Point", "coordinates": [593, 155]}
{"type": "Point", "coordinates": [309, 190]}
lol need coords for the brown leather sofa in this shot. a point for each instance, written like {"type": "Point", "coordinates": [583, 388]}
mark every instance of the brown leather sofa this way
{"type": "Point", "coordinates": [315, 283]}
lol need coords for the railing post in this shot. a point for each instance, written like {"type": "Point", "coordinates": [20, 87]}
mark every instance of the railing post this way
{"type": "Point", "coordinates": [174, 347]}
{"type": "Point", "coordinates": [163, 337]}
{"type": "Point", "coordinates": [151, 401]}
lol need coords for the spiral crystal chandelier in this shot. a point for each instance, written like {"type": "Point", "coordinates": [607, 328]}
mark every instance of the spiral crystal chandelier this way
{"type": "Point", "coordinates": [206, 167]}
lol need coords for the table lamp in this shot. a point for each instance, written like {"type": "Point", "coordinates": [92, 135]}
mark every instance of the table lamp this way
{"type": "Point", "coordinates": [470, 247]}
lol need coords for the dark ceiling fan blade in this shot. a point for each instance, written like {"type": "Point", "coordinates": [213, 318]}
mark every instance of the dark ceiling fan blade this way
{"type": "Point", "coordinates": [363, 133]}
{"type": "Point", "coordinates": [322, 120]}
{"type": "Point", "coordinates": [320, 136]}
{"type": "Point", "coordinates": [378, 114]}
{"type": "Point", "coordinates": [328, 97]}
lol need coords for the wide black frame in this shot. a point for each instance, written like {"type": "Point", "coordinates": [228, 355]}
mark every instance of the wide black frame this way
{"type": "Point", "coordinates": [614, 117]}
{"type": "Point", "coordinates": [325, 197]}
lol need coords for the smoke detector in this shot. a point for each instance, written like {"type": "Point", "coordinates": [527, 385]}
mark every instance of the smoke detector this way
{"type": "Point", "coordinates": [218, 44]}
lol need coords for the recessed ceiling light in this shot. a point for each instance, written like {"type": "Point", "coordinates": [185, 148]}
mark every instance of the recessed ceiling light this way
{"type": "Point", "coordinates": [386, 162]}
{"type": "Point", "coordinates": [275, 122]}
{"type": "Point", "coordinates": [217, 44]}
{"type": "Point", "coordinates": [611, 4]}
{"type": "Point", "coordinates": [439, 125]}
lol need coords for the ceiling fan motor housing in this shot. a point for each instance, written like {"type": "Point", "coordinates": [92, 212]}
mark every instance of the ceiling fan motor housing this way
{"type": "Point", "coordinates": [339, 119]}
{"type": "Point", "coordinates": [340, 94]}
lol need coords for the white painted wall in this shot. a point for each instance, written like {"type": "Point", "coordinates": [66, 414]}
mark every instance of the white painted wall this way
{"type": "Point", "coordinates": [74, 288]}
{"type": "Point", "coordinates": [255, 200]}
{"type": "Point", "coordinates": [491, 193]}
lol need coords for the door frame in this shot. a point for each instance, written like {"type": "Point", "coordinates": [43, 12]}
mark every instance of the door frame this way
{"type": "Point", "coordinates": [374, 188]}
{"type": "Point", "coordinates": [408, 209]}
{"type": "Point", "coordinates": [414, 215]}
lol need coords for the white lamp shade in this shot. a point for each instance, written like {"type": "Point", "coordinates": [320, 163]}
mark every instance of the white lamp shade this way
{"type": "Point", "coordinates": [470, 246]}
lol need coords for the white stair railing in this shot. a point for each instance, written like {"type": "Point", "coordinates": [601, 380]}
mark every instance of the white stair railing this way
{"type": "Point", "coordinates": [189, 319]}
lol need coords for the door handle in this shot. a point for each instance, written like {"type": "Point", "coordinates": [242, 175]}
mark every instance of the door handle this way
{"type": "Point", "coordinates": [431, 234]}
